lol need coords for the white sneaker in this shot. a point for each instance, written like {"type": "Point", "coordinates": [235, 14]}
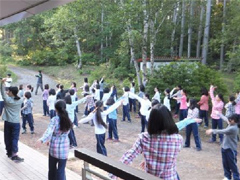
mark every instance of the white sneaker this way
{"type": "Point", "coordinates": [74, 126]}
{"type": "Point", "coordinates": [226, 178]}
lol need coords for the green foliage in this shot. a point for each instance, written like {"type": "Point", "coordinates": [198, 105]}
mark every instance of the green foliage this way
{"type": "Point", "coordinates": [3, 70]}
{"type": "Point", "coordinates": [191, 76]}
{"type": "Point", "coordinates": [236, 87]}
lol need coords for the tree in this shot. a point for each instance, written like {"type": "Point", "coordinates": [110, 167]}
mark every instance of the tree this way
{"type": "Point", "coordinates": [206, 33]}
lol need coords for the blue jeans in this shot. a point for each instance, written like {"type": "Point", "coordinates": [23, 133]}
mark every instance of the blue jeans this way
{"type": "Point", "coordinates": [217, 123]}
{"type": "Point", "coordinates": [183, 114]}
{"type": "Point", "coordinates": [204, 115]}
{"type": "Point", "coordinates": [101, 149]}
{"type": "Point", "coordinates": [177, 108]}
{"type": "Point", "coordinates": [76, 109]}
{"type": "Point", "coordinates": [72, 138]}
{"type": "Point", "coordinates": [75, 122]}
{"type": "Point", "coordinates": [143, 122]}
{"type": "Point", "coordinates": [189, 129]}
{"type": "Point", "coordinates": [112, 128]}
{"type": "Point", "coordinates": [11, 137]}
{"type": "Point", "coordinates": [132, 103]}
{"type": "Point", "coordinates": [45, 108]}
{"type": "Point", "coordinates": [27, 118]}
{"type": "Point", "coordinates": [126, 112]}
{"type": "Point", "coordinates": [56, 168]}
{"type": "Point", "coordinates": [1, 107]}
{"type": "Point", "coordinates": [52, 113]}
{"type": "Point", "coordinates": [229, 161]}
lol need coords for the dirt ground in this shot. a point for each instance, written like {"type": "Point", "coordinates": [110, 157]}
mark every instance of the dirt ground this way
{"type": "Point", "coordinates": [191, 164]}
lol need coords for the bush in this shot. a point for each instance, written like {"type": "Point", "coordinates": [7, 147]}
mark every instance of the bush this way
{"type": "Point", "coordinates": [236, 86]}
{"type": "Point", "coordinates": [191, 76]}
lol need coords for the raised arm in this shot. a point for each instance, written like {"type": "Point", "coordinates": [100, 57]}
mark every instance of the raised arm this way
{"type": "Point", "coordinates": [48, 133]}
{"type": "Point", "coordinates": [238, 98]}
{"type": "Point", "coordinates": [112, 108]}
{"type": "Point", "coordinates": [182, 124]}
{"type": "Point", "coordinates": [86, 119]}
{"type": "Point", "coordinates": [75, 103]}
{"type": "Point", "coordinates": [135, 96]}
{"type": "Point", "coordinates": [132, 153]}
{"type": "Point", "coordinates": [212, 92]}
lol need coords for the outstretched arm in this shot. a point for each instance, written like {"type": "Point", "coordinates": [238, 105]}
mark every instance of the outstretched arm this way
{"type": "Point", "coordinates": [182, 124]}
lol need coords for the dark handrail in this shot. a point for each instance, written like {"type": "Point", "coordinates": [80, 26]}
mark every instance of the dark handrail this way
{"type": "Point", "coordinates": [114, 167]}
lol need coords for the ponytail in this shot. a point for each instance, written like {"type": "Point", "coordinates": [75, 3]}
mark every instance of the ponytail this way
{"type": "Point", "coordinates": [65, 122]}
{"type": "Point", "coordinates": [14, 91]}
{"type": "Point", "coordinates": [99, 114]}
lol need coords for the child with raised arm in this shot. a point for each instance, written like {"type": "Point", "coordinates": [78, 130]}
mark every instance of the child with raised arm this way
{"type": "Point", "coordinates": [217, 106]}
{"type": "Point", "coordinates": [193, 112]}
{"type": "Point", "coordinates": [145, 105]}
{"type": "Point", "coordinates": [183, 104]}
{"type": "Point", "coordinates": [70, 108]}
{"type": "Point", "coordinates": [99, 119]}
{"type": "Point", "coordinates": [229, 145]}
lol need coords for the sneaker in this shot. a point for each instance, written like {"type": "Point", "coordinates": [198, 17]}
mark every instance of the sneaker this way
{"type": "Point", "coordinates": [185, 146]}
{"type": "Point", "coordinates": [198, 149]}
{"type": "Point", "coordinates": [109, 139]}
{"type": "Point", "coordinates": [32, 132]}
{"type": "Point", "coordinates": [17, 159]}
{"type": "Point", "coordinates": [122, 120]}
{"type": "Point", "coordinates": [205, 126]}
{"type": "Point", "coordinates": [130, 121]}
{"type": "Point", "coordinates": [225, 178]}
{"type": "Point", "coordinates": [74, 126]}
{"type": "Point", "coordinates": [24, 132]}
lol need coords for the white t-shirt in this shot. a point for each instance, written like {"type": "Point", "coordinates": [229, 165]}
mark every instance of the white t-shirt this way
{"type": "Point", "coordinates": [157, 96]}
{"type": "Point", "coordinates": [51, 102]}
{"type": "Point", "coordinates": [145, 104]}
{"type": "Point", "coordinates": [132, 90]}
{"type": "Point", "coordinates": [166, 102]}
{"type": "Point", "coordinates": [8, 82]}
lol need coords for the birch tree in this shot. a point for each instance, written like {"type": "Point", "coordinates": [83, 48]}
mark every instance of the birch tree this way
{"type": "Point", "coordinates": [174, 21]}
{"type": "Point", "coordinates": [182, 29]}
{"type": "Point", "coordinates": [190, 28]}
{"type": "Point", "coordinates": [206, 33]}
{"type": "Point", "coordinates": [223, 30]}
{"type": "Point", "coordinates": [200, 28]}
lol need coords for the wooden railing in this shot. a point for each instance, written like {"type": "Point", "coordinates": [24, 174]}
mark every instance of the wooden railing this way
{"type": "Point", "coordinates": [111, 166]}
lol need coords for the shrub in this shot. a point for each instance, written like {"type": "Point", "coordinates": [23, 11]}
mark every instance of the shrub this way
{"type": "Point", "coordinates": [236, 85]}
{"type": "Point", "coordinates": [191, 76]}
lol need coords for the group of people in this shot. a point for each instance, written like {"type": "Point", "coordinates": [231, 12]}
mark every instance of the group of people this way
{"type": "Point", "coordinates": [101, 103]}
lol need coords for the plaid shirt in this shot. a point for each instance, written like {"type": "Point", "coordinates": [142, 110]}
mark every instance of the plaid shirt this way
{"type": "Point", "coordinates": [230, 109]}
{"type": "Point", "coordinates": [160, 153]}
{"type": "Point", "coordinates": [59, 141]}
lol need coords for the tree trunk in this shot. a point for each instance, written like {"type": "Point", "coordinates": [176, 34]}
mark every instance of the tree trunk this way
{"type": "Point", "coordinates": [102, 21]}
{"type": "Point", "coordinates": [152, 45]}
{"type": "Point", "coordinates": [182, 29]}
{"type": "Point", "coordinates": [131, 44]}
{"type": "Point", "coordinates": [206, 33]}
{"type": "Point", "coordinates": [190, 29]}
{"type": "Point", "coordinates": [175, 16]}
{"type": "Point", "coordinates": [79, 65]}
{"type": "Point", "coordinates": [145, 38]}
{"type": "Point", "coordinates": [200, 31]}
{"type": "Point", "coordinates": [223, 30]}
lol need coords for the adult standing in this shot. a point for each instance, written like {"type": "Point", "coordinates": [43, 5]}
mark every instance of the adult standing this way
{"type": "Point", "coordinates": [203, 103]}
{"type": "Point", "coordinates": [39, 81]}
{"type": "Point", "coordinates": [11, 118]}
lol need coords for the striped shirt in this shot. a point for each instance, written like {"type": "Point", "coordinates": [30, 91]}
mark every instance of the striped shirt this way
{"type": "Point", "coordinates": [59, 141]}
{"type": "Point", "coordinates": [160, 153]}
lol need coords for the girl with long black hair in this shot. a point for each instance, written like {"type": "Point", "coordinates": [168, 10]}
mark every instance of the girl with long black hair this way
{"type": "Point", "coordinates": [57, 135]}
{"type": "Point", "coordinates": [99, 119]}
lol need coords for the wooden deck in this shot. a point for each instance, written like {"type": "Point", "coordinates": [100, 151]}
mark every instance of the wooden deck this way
{"type": "Point", "coordinates": [34, 167]}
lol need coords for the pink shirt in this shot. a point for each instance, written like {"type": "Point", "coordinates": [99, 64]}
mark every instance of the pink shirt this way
{"type": "Point", "coordinates": [203, 103]}
{"type": "Point", "coordinates": [217, 106]}
{"type": "Point", "coordinates": [183, 104]}
{"type": "Point", "coordinates": [237, 108]}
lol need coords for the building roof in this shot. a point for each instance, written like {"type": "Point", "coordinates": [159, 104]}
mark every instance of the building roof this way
{"type": "Point", "coordinates": [15, 10]}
